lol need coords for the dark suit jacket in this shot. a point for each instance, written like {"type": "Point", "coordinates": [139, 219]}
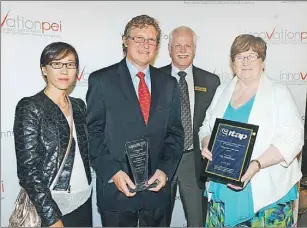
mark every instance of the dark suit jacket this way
{"type": "Point", "coordinates": [202, 79]}
{"type": "Point", "coordinates": [114, 117]}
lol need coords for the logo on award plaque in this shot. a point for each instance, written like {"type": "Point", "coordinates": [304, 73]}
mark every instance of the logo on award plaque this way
{"type": "Point", "coordinates": [137, 153]}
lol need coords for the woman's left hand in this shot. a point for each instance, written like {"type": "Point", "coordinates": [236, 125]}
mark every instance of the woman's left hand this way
{"type": "Point", "coordinates": [250, 172]}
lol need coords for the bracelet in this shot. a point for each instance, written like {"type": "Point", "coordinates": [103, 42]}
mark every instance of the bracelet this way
{"type": "Point", "coordinates": [258, 163]}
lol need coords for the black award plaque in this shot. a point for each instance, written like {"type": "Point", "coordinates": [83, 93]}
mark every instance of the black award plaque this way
{"type": "Point", "coordinates": [231, 145]}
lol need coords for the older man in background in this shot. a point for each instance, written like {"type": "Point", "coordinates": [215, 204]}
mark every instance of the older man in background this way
{"type": "Point", "coordinates": [197, 88]}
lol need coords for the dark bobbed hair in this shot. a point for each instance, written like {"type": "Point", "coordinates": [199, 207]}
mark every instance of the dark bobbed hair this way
{"type": "Point", "coordinates": [57, 51]}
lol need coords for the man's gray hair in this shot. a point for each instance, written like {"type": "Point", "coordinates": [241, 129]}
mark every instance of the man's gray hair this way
{"type": "Point", "coordinates": [184, 29]}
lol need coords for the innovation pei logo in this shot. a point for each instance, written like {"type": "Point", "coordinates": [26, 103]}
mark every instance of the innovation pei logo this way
{"type": "Point", "coordinates": [19, 25]}
{"type": "Point", "coordinates": [6, 134]}
{"type": "Point", "coordinates": [293, 78]}
{"type": "Point", "coordinates": [278, 35]}
{"type": "Point", "coordinates": [224, 75]}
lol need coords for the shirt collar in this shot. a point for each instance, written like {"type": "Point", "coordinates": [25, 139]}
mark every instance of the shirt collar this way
{"type": "Point", "coordinates": [133, 70]}
{"type": "Point", "coordinates": [188, 70]}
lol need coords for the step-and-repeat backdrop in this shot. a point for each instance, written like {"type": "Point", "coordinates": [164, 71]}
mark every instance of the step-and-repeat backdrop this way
{"type": "Point", "coordinates": [95, 29]}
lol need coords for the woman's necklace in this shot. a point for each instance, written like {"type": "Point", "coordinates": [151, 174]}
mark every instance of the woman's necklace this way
{"type": "Point", "coordinates": [64, 105]}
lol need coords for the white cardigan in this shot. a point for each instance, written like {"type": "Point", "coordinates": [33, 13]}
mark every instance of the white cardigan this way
{"type": "Point", "coordinates": [280, 124]}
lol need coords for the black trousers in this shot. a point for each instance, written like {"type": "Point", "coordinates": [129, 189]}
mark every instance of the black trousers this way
{"type": "Point", "coordinates": [81, 217]}
{"type": "Point", "coordinates": [143, 218]}
{"type": "Point", "coordinates": [192, 199]}
{"type": "Point", "coordinates": [304, 158]}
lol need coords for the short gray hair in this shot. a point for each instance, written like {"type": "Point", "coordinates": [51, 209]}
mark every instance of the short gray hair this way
{"type": "Point", "coordinates": [179, 29]}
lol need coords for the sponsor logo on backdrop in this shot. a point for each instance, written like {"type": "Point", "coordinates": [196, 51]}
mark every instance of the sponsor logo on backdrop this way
{"type": "Point", "coordinates": [2, 189]}
{"type": "Point", "coordinates": [223, 75]}
{"type": "Point", "coordinates": [218, 2]}
{"type": "Point", "coordinates": [12, 23]}
{"type": "Point", "coordinates": [82, 78]}
{"type": "Point", "coordinates": [164, 36]}
{"type": "Point", "coordinates": [293, 78]}
{"type": "Point", "coordinates": [6, 134]}
{"type": "Point", "coordinates": [278, 35]}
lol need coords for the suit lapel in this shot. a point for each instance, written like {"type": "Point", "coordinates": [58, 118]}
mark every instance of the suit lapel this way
{"type": "Point", "coordinates": [77, 121]}
{"type": "Point", "coordinates": [126, 83]}
{"type": "Point", "coordinates": [154, 92]}
{"type": "Point", "coordinates": [196, 96]}
{"type": "Point", "coordinates": [168, 69]}
{"type": "Point", "coordinates": [260, 103]}
{"type": "Point", "coordinates": [128, 88]}
{"type": "Point", "coordinates": [63, 129]}
{"type": "Point", "coordinates": [224, 100]}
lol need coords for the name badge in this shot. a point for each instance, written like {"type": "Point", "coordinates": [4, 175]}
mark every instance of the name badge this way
{"type": "Point", "coordinates": [199, 88]}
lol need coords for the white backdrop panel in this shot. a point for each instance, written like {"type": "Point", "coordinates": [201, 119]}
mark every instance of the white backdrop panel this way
{"type": "Point", "coordinates": [95, 29]}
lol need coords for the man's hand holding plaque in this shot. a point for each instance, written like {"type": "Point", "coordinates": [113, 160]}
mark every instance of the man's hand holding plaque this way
{"type": "Point", "coordinates": [231, 144]}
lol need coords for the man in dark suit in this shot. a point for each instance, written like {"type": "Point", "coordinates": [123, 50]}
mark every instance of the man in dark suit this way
{"type": "Point", "coordinates": [197, 88]}
{"type": "Point", "coordinates": [128, 101]}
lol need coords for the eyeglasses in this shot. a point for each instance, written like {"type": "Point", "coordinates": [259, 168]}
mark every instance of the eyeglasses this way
{"type": "Point", "coordinates": [59, 65]}
{"type": "Point", "coordinates": [141, 40]}
{"type": "Point", "coordinates": [250, 58]}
